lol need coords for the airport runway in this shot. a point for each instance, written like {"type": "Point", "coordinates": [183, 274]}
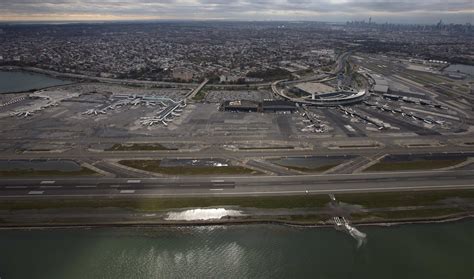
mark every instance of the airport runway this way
{"type": "Point", "coordinates": [234, 186]}
{"type": "Point", "coordinates": [220, 152]}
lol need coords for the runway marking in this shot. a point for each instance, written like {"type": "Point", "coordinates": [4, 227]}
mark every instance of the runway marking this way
{"type": "Point", "coordinates": [223, 184]}
{"type": "Point", "coordinates": [261, 193]}
{"type": "Point", "coordinates": [16, 187]}
{"type": "Point", "coordinates": [287, 183]}
{"type": "Point", "coordinates": [216, 189]}
{"type": "Point", "coordinates": [35, 192]}
{"type": "Point", "coordinates": [368, 174]}
{"type": "Point", "coordinates": [217, 181]}
{"type": "Point", "coordinates": [379, 189]}
{"type": "Point", "coordinates": [127, 191]}
{"type": "Point", "coordinates": [86, 186]}
{"type": "Point", "coordinates": [134, 181]}
{"type": "Point", "coordinates": [322, 191]}
{"type": "Point", "coordinates": [58, 114]}
{"type": "Point", "coordinates": [48, 182]}
{"type": "Point", "coordinates": [50, 187]}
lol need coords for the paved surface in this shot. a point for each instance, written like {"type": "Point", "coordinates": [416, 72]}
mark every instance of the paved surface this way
{"type": "Point", "coordinates": [219, 152]}
{"type": "Point", "coordinates": [207, 132]}
{"type": "Point", "coordinates": [232, 186]}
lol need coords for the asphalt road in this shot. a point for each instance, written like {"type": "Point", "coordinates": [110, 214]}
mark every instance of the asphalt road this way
{"type": "Point", "coordinates": [235, 186]}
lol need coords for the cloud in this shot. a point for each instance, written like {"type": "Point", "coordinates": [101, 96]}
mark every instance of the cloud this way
{"type": "Point", "coordinates": [338, 10]}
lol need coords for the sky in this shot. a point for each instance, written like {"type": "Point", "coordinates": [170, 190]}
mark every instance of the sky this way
{"type": "Point", "coordinates": [398, 11]}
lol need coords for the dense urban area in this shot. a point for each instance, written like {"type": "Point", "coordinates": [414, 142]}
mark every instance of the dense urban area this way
{"type": "Point", "coordinates": [226, 52]}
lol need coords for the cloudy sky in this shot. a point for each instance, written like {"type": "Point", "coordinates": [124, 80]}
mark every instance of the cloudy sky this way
{"type": "Point", "coordinates": [398, 11]}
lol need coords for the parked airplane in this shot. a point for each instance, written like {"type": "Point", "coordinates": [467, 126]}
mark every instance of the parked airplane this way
{"type": "Point", "coordinates": [21, 113]}
{"type": "Point", "coordinates": [94, 112]}
{"type": "Point", "coordinates": [136, 102]}
{"type": "Point", "coordinates": [150, 103]}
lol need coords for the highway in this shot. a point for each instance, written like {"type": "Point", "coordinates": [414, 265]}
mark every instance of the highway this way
{"type": "Point", "coordinates": [234, 186]}
{"type": "Point", "coordinates": [196, 91]}
{"type": "Point", "coordinates": [341, 62]}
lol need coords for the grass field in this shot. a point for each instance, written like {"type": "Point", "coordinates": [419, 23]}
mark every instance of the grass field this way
{"type": "Point", "coordinates": [408, 198]}
{"type": "Point", "coordinates": [428, 77]}
{"type": "Point", "coordinates": [154, 166]}
{"type": "Point", "coordinates": [200, 95]}
{"type": "Point", "coordinates": [367, 200]}
{"type": "Point", "coordinates": [154, 204]}
{"type": "Point", "coordinates": [359, 146]}
{"type": "Point", "coordinates": [267, 148]}
{"type": "Point", "coordinates": [407, 214]}
{"type": "Point", "coordinates": [308, 169]}
{"type": "Point", "coordinates": [414, 165]}
{"type": "Point", "coordinates": [138, 147]}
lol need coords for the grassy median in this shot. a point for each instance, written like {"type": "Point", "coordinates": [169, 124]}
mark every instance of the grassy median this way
{"type": "Point", "coordinates": [138, 147]}
{"type": "Point", "coordinates": [267, 148]}
{"type": "Point", "coordinates": [414, 165]}
{"type": "Point", "coordinates": [154, 166]}
{"type": "Point", "coordinates": [310, 170]}
{"type": "Point", "coordinates": [309, 167]}
{"type": "Point", "coordinates": [200, 95]}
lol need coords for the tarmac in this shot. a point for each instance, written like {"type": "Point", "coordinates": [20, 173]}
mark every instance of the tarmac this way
{"type": "Point", "coordinates": [235, 186]}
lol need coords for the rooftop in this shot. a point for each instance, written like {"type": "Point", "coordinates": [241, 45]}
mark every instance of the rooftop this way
{"type": "Point", "coordinates": [314, 87]}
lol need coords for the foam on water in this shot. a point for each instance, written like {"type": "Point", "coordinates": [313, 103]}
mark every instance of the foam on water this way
{"type": "Point", "coordinates": [356, 234]}
{"type": "Point", "coordinates": [202, 214]}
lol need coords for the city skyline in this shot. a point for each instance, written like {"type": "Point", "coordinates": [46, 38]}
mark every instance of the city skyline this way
{"type": "Point", "coordinates": [421, 12]}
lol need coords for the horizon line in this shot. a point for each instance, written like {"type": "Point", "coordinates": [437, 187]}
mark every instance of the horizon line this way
{"type": "Point", "coordinates": [97, 21]}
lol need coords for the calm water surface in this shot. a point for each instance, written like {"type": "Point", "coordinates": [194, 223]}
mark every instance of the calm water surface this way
{"type": "Point", "coordinates": [254, 251]}
{"type": "Point", "coordinates": [24, 81]}
{"type": "Point", "coordinates": [466, 69]}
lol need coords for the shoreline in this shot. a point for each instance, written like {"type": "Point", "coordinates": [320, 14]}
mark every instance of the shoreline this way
{"type": "Point", "coordinates": [82, 77]}
{"type": "Point", "coordinates": [33, 90]}
{"type": "Point", "coordinates": [130, 82]}
{"type": "Point", "coordinates": [236, 222]}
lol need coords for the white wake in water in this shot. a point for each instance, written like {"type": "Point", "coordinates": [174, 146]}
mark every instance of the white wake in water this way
{"type": "Point", "coordinates": [356, 234]}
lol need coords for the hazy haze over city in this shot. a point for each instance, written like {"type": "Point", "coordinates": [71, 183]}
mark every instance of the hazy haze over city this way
{"type": "Point", "coordinates": [401, 11]}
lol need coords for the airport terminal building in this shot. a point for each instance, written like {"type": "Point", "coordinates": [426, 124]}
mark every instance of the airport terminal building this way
{"type": "Point", "coordinates": [275, 106]}
{"type": "Point", "coordinates": [241, 106]}
{"type": "Point", "coordinates": [320, 94]}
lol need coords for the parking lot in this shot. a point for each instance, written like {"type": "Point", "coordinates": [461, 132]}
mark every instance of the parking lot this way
{"type": "Point", "coordinates": [219, 96]}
